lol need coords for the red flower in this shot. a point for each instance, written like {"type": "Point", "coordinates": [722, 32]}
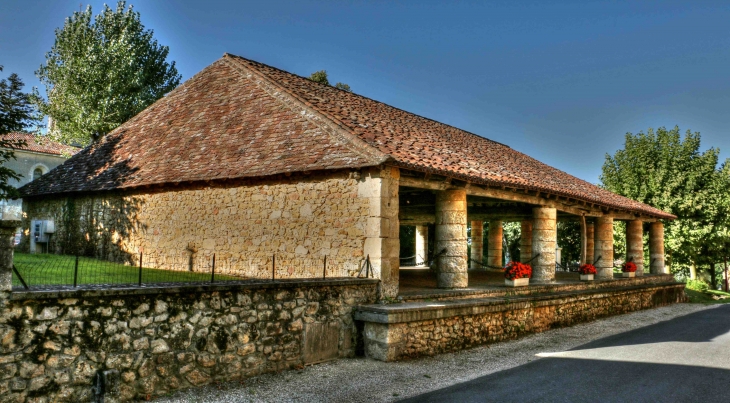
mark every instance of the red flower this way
{"type": "Point", "coordinates": [517, 270]}
{"type": "Point", "coordinates": [629, 267]}
{"type": "Point", "coordinates": [587, 269]}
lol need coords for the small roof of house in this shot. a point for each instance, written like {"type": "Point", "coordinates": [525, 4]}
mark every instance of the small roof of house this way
{"type": "Point", "coordinates": [40, 144]}
{"type": "Point", "coordinates": [238, 118]}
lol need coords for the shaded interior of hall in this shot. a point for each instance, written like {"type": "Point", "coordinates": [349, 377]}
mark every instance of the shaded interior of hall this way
{"type": "Point", "coordinates": [417, 209]}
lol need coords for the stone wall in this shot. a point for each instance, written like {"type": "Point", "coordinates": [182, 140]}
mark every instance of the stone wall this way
{"type": "Point", "coordinates": [160, 340]}
{"type": "Point", "coordinates": [396, 332]}
{"type": "Point", "coordinates": [299, 219]}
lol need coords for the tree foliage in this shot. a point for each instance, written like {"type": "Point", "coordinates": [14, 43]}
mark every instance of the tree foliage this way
{"type": "Point", "coordinates": [511, 232]}
{"type": "Point", "coordinates": [569, 240]}
{"type": "Point", "coordinates": [321, 77]}
{"type": "Point", "coordinates": [17, 114]}
{"type": "Point", "coordinates": [669, 172]}
{"type": "Point", "coordinates": [101, 72]}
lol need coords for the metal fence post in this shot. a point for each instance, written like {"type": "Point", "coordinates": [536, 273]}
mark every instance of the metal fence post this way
{"type": "Point", "coordinates": [324, 271]}
{"type": "Point", "coordinates": [76, 271]}
{"type": "Point", "coordinates": [140, 270]}
{"type": "Point", "coordinates": [212, 270]}
{"type": "Point", "coordinates": [273, 267]}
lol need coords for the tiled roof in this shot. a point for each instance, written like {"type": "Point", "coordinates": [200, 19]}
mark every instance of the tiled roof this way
{"type": "Point", "coordinates": [239, 118]}
{"type": "Point", "coordinates": [217, 125]}
{"type": "Point", "coordinates": [40, 144]}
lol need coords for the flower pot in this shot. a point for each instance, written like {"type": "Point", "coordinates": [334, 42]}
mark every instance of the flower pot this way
{"type": "Point", "coordinates": [586, 277]}
{"type": "Point", "coordinates": [628, 274]}
{"type": "Point", "coordinates": [518, 282]}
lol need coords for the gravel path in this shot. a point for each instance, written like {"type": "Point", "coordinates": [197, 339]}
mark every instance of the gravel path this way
{"type": "Point", "coordinates": [364, 380]}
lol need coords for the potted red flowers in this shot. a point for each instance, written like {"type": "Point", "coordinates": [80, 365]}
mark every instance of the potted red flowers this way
{"type": "Point", "coordinates": [628, 269]}
{"type": "Point", "coordinates": [517, 274]}
{"type": "Point", "coordinates": [587, 271]}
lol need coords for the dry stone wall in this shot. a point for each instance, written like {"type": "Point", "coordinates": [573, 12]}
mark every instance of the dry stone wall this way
{"type": "Point", "coordinates": [52, 348]}
{"type": "Point", "coordinates": [299, 219]}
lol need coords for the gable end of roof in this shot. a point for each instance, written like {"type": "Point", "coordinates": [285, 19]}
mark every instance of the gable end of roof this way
{"type": "Point", "coordinates": [326, 122]}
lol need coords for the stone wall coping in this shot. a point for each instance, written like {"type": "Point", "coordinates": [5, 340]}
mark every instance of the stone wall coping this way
{"type": "Point", "coordinates": [543, 288]}
{"type": "Point", "coordinates": [420, 311]}
{"type": "Point", "coordinates": [188, 288]}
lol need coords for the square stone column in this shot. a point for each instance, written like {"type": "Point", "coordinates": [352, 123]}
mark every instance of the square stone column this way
{"type": "Point", "coordinates": [544, 235]}
{"type": "Point", "coordinates": [590, 234]}
{"type": "Point", "coordinates": [477, 244]}
{"type": "Point", "coordinates": [451, 241]}
{"type": "Point", "coordinates": [494, 244]}
{"type": "Point", "coordinates": [603, 247]}
{"type": "Point", "coordinates": [525, 241]}
{"type": "Point", "coordinates": [7, 240]}
{"type": "Point", "coordinates": [635, 245]}
{"type": "Point", "coordinates": [421, 245]}
{"type": "Point", "coordinates": [382, 234]}
{"type": "Point", "coordinates": [656, 248]}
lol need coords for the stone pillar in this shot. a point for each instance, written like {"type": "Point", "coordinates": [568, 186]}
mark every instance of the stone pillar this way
{"type": "Point", "coordinates": [477, 244]}
{"type": "Point", "coordinates": [544, 235]}
{"type": "Point", "coordinates": [422, 245]}
{"type": "Point", "coordinates": [635, 245]}
{"type": "Point", "coordinates": [382, 234]}
{"type": "Point", "coordinates": [451, 239]}
{"type": "Point", "coordinates": [603, 247]}
{"type": "Point", "coordinates": [7, 240]}
{"type": "Point", "coordinates": [590, 234]}
{"type": "Point", "coordinates": [494, 244]}
{"type": "Point", "coordinates": [656, 248]}
{"type": "Point", "coordinates": [525, 241]}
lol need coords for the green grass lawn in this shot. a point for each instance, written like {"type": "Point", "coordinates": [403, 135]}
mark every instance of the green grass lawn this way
{"type": "Point", "coordinates": [48, 269]}
{"type": "Point", "coordinates": [708, 297]}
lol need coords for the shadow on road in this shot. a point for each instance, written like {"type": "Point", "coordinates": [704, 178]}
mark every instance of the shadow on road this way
{"type": "Point", "coordinates": [630, 366]}
{"type": "Point", "coordinates": [713, 322]}
{"type": "Point", "coordinates": [569, 380]}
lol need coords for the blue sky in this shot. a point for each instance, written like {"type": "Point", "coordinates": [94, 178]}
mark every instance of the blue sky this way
{"type": "Point", "coordinates": [560, 81]}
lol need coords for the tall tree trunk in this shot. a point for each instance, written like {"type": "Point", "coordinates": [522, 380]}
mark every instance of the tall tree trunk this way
{"type": "Point", "coordinates": [713, 278]}
{"type": "Point", "coordinates": [693, 271]}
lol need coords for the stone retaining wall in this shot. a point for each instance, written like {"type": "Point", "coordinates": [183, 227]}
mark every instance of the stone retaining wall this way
{"type": "Point", "coordinates": [399, 331]}
{"type": "Point", "coordinates": [155, 341]}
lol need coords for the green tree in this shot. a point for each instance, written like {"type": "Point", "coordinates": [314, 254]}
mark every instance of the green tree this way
{"type": "Point", "coordinates": [16, 114]}
{"type": "Point", "coordinates": [669, 172]}
{"type": "Point", "coordinates": [101, 72]}
{"type": "Point", "coordinates": [569, 240]}
{"type": "Point", "coordinates": [511, 232]}
{"type": "Point", "coordinates": [321, 77]}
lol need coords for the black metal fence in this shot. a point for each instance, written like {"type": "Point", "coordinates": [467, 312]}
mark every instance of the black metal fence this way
{"type": "Point", "coordinates": [49, 271]}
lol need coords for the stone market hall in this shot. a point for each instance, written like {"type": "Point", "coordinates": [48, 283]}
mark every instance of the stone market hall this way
{"type": "Point", "coordinates": [249, 162]}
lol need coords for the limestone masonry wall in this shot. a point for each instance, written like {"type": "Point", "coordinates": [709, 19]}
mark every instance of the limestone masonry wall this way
{"type": "Point", "coordinates": [51, 348]}
{"type": "Point", "coordinates": [470, 324]}
{"type": "Point", "coordinates": [300, 219]}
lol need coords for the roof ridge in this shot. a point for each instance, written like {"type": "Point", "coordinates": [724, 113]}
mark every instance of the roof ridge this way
{"type": "Point", "coordinates": [364, 97]}
{"type": "Point", "coordinates": [352, 140]}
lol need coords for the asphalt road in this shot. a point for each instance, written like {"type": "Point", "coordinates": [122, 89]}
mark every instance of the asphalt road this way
{"type": "Point", "coordinates": [686, 359]}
